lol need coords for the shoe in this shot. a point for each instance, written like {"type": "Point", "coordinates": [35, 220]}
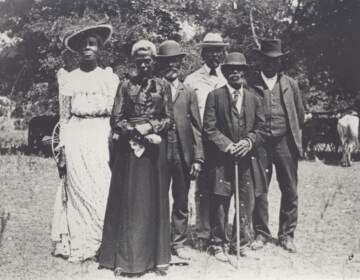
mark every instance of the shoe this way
{"type": "Point", "coordinates": [181, 252]}
{"type": "Point", "coordinates": [202, 244]}
{"type": "Point", "coordinates": [118, 272]}
{"type": "Point", "coordinates": [288, 244]}
{"type": "Point", "coordinates": [220, 253]}
{"type": "Point", "coordinates": [160, 272]}
{"type": "Point", "coordinates": [258, 243]}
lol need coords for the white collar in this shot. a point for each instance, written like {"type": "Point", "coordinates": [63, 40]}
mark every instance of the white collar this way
{"type": "Point", "coordinates": [232, 90]}
{"type": "Point", "coordinates": [217, 70]}
{"type": "Point", "coordinates": [175, 83]}
{"type": "Point", "coordinates": [269, 79]}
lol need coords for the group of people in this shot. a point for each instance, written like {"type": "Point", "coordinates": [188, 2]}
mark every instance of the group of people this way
{"type": "Point", "coordinates": [124, 144]}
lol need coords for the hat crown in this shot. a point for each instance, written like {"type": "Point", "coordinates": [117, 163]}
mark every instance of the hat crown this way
{"type": "Point", "coordinates": [271, 45]}
{"type": "Point", "coordinates": [235, 58]}
{"type": "Point", "coordinates": [169, 48]}
{"type": "Point", "coordinates": [213, 38]}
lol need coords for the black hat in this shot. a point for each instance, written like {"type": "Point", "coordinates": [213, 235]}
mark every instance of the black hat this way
{"type": "Point", "coordinates": [170, 48]}
{"type": "Point", "coordinates": [271, 48]}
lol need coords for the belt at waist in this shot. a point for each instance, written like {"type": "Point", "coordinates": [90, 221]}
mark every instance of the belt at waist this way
{"type": "Point", "coordinates": [90, 116]}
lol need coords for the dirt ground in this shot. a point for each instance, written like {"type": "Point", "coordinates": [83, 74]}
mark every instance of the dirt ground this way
{"type": "Point", "coordinates": [327, 237]}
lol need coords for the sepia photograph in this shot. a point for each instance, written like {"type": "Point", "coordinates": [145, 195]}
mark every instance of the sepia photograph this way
{"type": "Point", "coordinates": [179, 139]}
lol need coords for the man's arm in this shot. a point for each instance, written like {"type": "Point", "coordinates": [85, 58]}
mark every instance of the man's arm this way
{"type": "Point", "coordinates": [210, 129]}
{"type": "Point", "coordinates": [299, 104]}
{"type": "Point", "coordinates": [196, 128]}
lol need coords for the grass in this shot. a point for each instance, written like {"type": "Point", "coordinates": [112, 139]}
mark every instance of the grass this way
{"type": "Point", "coordinates": [327, 236]}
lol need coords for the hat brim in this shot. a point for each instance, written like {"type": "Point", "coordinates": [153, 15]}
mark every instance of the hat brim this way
{"type": "Point", "coordinates": [213, 44]}
{"type": "Point", "coordinates": [104, 31]}
{"type": "Point", "coordinates": [272, 54]}
{"type": "Point", "coordinates": [234, 65]}
{"type": "Point", "coordinates": [170, 55]}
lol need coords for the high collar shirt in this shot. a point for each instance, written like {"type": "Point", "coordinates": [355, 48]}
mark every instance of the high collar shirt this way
{"type": "Point", "coordinates": [240, 98]}
{"type": "Point", "coordinates": [174, 85]}
{"type": "Point", "coordinates": [270, 82]}
{"type": "Point", "coordinates": [203, 83]}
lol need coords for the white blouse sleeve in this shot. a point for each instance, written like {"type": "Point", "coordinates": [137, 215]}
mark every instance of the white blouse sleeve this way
{"type": "Point", "coordinates": [111, 87]}
{"type": "Point", "coordinates": [64, 101]}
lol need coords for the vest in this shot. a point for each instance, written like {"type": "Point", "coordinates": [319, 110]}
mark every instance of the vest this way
{"type": "Point", "coordinates": [238, 120]}
{"type": "Point", "coordinates": [275, 114]}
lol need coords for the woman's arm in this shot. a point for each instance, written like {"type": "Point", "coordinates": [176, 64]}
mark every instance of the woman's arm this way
{"type": "Point", "coordinates": [166, 119]}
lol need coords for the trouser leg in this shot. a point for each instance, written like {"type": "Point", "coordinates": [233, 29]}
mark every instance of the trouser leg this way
{"type": "Point", "coordinates": [246, 207]}
{"type": "Point", "coordinates": [286, 164]}
{"type": "Point", "coordinates": [202, 201]}
{"type": "Point", "coordinates": [261, 212]}
{"type": "Point", "coordinates": [180, 191]}
{"type": "Point", "coordinates": [219, 219]}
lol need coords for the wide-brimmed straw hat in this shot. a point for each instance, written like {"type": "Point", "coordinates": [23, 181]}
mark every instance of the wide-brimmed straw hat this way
{"type": "Point", "coordinates": [104, 31]}
{"type": "Point", "coordinates": [213, 40]}
{"type": "Point", "coordinates": [271, 48]}
{"type": "Point", "coordinates": [170, 48]}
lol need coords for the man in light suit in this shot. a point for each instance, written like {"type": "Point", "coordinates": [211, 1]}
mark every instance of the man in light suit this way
{"type": "Point", "coordinates": [233, 129]}
{"type": "Point", "coordinates": [185, 150]}
{"type": "Point", "coordinates": [202, 81]}
{"type": "Point", "coordinates": [284, 116]}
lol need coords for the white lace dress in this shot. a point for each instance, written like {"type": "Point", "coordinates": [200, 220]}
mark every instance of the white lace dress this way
{"type": "Point", "coordinates": [86, 100]}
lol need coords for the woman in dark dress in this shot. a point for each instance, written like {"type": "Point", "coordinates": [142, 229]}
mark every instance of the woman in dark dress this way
{"type": "Point", "coordinates": [136, 234]}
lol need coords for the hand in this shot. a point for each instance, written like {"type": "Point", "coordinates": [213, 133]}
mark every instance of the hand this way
{"type": "Point", "coordinates": [153, 139]}
{"type": "Point", "coordinates": [144, 129]}
{"type": "Point", "coordinates": [195, 170]}
{"type": "Point", "coordinates": [241, 148]}
{"type": "Point", "coordinates": [61, 164]}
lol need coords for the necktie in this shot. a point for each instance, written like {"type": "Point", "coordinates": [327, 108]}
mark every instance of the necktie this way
{"type": "Point", "coordinates": [213, 72]}
{"type": "Point", "coordinates": [236, 96]}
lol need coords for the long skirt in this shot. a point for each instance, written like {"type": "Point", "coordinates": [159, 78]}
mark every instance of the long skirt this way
{"type": "Point", "coordinates": [136, 235]}
{"type": "Point", "coordinates": [78, 219]}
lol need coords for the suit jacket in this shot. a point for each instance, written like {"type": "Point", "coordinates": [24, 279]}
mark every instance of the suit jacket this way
{"type": "Point", "coordinates": [188, 124]}
{"type": "Point", "coordinates": [294, 106]}
{"type": "Point", "coordinates": [218, 134]}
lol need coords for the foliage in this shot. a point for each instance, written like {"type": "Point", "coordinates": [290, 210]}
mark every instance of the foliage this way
{"type": "Point", "coordinates": [321, 36]}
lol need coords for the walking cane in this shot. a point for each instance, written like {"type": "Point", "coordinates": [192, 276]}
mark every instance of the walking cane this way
{"type": "Point", "coordinates": [237, 206]}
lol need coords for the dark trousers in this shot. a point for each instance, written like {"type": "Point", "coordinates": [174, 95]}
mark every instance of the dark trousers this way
{"type": "Point", "coordinates": [179, 173]}
{"type": "Point", "coordinates": [202, 202]}
{"type": "Point", "coordinates": [220, 211]}
{"type": "Point", "coordinates": [281, 152]}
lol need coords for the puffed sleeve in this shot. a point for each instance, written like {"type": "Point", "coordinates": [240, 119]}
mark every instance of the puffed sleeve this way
{"type": "Point", "coordinates": [166, 119]}
{"type": "Point", "coordinates": [112, 83]}
{"type": "Point", "coordinates": [64, 101]}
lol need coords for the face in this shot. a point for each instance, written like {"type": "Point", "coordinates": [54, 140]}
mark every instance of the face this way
{"type": "Point", "coordinates": [235, 75]}
{"type": "Point", "coordinates": [89, 48]}
{"type": "Point", "coordinates": [170, 67]}
{"type": "Point", "coordinates": [270, 65]}
{"type": "Point", "coordinates": [213, 56]}
{"type": "Point", "coordinates": [144, 63]}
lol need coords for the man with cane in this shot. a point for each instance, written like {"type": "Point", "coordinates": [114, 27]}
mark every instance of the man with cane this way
{"type": "Point", "coordinates": [233, 129]}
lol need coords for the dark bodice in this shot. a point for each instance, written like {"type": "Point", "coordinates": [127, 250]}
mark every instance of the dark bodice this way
{"type": "Point", "coordinates": [149, 102]}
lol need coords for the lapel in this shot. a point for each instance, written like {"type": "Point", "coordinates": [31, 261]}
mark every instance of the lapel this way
{"type": "Point", "coordinates": [248, 108]}
{"type": "Point", "coordinates": [285, 88]}
{"type": "Point", "coordinates": [179, 90]}
{"type": "Point", "coordinates": [226, 101]}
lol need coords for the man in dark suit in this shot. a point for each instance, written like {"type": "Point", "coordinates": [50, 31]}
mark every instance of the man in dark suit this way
{"type": "Point", "coordinates": [185, 150]}
{"type": "Point", "coordinates": [233, 128]}
{"type": "Point", "coordinates": [284, 115]}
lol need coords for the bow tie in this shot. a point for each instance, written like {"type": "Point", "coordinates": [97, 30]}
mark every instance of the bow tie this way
{"type": "Point", "coordinates": [213, 72]}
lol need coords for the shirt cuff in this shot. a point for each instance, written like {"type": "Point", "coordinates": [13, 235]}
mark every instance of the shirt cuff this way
{"type": "Point", "coordinates": [250, 143]}
{"type": "Point", "coordinates": [228, 147]}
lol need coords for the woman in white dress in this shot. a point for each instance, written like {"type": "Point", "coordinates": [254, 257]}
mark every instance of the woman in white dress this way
{"type": "Point", "coordinates": [86, 96]}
